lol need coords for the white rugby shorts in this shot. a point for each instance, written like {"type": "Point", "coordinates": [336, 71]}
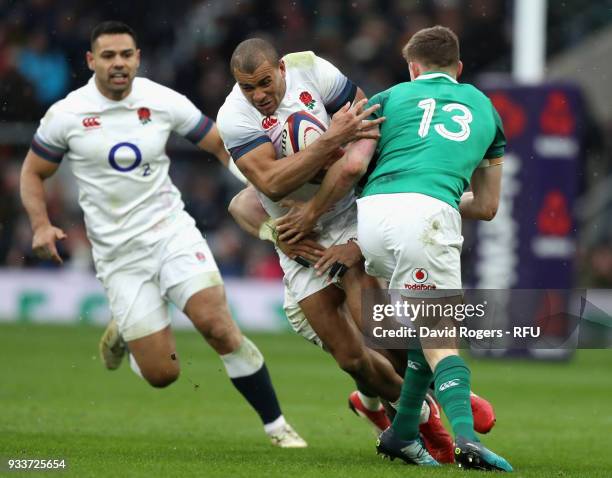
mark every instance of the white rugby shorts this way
{"type": "Point", "coordinates": [140, 283]}
{"type": "Point", "coordinates": [298, 321]}
{"type": "Point", "coordinates": [303, 281]}
{"type": "Point", "coordinates": [413, 241]}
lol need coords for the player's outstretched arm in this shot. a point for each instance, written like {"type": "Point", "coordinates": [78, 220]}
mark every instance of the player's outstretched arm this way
{"type": "Point", "coordinates": [278, 177]}
{"type": "Point", "coordinates": [33, 173]}
{"type": "Point", "coordinates": [338, 181]}
{"type": "Point", "coordinates": [213, 144]}
{"type": "Point", "coordinates": [483, 200]}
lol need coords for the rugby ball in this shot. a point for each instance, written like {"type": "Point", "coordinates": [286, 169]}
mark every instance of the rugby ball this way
{"type": "Point", "coordinates": [300, 130]}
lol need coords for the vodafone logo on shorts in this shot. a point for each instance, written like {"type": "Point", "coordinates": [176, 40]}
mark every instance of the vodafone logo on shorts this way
{"type": "Point", "coordinates": [200, 256]}
{"type": "Point", "coordinates": [419, 275]}
{"type": "Point", "coordinates": [420, 286]}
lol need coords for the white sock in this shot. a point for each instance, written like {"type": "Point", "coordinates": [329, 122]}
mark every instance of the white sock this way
{"type": "Point", "coordinates": [425, 411]}
{"type": "Point", "coordinates": [134, 366]}
{"type": "Point", "coordinates": [272, 427]}
{"type": "Point", "coordinates": [371, 403]}
{"type": "Point", "coordinates": [244, 361]}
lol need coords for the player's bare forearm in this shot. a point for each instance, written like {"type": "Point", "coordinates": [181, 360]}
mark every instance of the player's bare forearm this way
{"type": "Point", "coordinates": [338, 182]}
{"type": "Point", "coordinates": [213, 144]}
{"type": "Point", "coordinates": [467, 208]}
{"type": "Point", "coordinates": [343, 176]}
{"type": "Point", "coordinates": [482, 202]}
{"type": "Point", "coordinates": [33, 173]}
{"type": "Point", "coordinates": [470, 208]}
{"type": "Point", "coordinates": [278, 177]}
{"type": "Point", "coordinates": [247, 211]}
{"type": "Point", "coordinates": [301, 218]}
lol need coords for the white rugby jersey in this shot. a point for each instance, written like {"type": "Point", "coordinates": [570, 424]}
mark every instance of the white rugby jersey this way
{"type": "Point", "coordinates": [313, 85]}
{"type": "Point", "coordinates": [116, 151]}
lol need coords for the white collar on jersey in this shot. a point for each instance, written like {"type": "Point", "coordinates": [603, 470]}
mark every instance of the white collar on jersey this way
{"type": "Point", "coordinates": [429, 76]}
{"type": "Point", "coordinates": [91, 84]}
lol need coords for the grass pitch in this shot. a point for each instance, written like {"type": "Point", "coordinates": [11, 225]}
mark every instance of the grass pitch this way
{"type": "Point", "coordinates": [57, 401]}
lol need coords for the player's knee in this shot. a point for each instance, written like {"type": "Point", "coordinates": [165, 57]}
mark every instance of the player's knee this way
{"type": "Point", "coordinates": [163, 378]}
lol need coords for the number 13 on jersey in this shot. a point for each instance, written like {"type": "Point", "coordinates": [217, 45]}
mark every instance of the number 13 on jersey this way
{"type": "Point", "coordinates": [463, 120]}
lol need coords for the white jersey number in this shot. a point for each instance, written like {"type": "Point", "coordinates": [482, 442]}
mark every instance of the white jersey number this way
{"type": "Point", "coordinates": [463, 120]}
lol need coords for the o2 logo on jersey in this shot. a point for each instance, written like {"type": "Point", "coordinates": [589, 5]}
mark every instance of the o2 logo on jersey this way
{"type": "Point", "coordinates": [112, 157]}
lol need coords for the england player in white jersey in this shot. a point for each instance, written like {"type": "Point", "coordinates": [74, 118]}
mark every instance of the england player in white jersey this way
{"type": "Point", "coordinates": [147, 251]}
{"type": "Point", "coordinates": [268, 90]}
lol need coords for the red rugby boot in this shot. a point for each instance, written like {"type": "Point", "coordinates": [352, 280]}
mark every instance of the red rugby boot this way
{"type": "Point", "coordinates": [378, 419]}
{"type": "Point", "coordinates": [437, 440]}
{"type": "Point", "coordinates": [484, 415]}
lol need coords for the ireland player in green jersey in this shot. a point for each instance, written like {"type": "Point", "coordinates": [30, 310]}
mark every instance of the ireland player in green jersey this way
{"type": "Point", "coordinates": [439, 137]}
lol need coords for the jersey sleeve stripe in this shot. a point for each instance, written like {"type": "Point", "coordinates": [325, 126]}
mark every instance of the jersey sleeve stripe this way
{"type": "Point", "coordinates": [240, 151]}
{"type": "Point", "coordinates": [47, 152]}
{"type": "Point", "coordinates": [200, 130]}
{"type": "Point", "coordinates": [347, 94]}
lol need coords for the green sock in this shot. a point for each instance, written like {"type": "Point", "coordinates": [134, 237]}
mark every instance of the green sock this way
{"type": "Point", "coordinates": [416, 382]}
{"type": "Point", "coordinates": [452, 381]}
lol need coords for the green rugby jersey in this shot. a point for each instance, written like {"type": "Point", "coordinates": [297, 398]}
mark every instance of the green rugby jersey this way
{"type": "Point", "coordinates": [436, 133]}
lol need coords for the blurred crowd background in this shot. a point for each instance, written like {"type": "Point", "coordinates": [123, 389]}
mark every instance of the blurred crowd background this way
{"type": "Point", "coordinates": [187, 45]}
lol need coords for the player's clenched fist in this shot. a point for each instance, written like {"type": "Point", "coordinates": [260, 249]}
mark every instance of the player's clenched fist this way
{"type": "Point", "coordinates": [43, 242]}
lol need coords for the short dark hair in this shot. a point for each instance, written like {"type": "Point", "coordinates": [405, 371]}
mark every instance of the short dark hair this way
{"type": "Point", "coordinates": [434, 47]}
{"type": "Point", "coordinates": [251, 53]}
{"type": "Point", "coordinates": [111, 27]}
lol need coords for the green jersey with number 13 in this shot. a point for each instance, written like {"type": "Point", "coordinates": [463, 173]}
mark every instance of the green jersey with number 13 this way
{"type": "Point", "coordinates": [436, 134]}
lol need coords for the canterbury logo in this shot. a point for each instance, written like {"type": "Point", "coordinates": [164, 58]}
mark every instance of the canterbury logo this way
{"type": "Point", "coordinates": [92, 122]}
{"type": "Point", "coordinates": [414, 365]}
{"type": "Point", "coordinates": [449, 384]}
{"type": "Point", "coordinates": [268, 122]}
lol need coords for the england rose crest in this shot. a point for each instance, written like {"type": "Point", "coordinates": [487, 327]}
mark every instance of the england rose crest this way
{"type": "Point", "coordinates": [307, 99]}
{"type": "Point", "coordinates": [144, 115]}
